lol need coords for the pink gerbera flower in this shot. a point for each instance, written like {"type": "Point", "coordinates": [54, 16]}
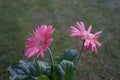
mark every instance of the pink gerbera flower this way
{"type": "Point", "coordinates": [38, 43]}
{"type": "Point", "coordinates": [91, 40]}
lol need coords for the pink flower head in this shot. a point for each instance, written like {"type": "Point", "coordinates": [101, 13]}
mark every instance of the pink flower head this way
{"type": "Point", "coordinates": [38, 43]}
{"type": "Point", "coordinates": [91, 40]}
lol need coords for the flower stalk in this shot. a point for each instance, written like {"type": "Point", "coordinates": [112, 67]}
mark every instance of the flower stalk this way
{"type": "Point", "coordinates": [51, 56]}
{"type": "Point", "coordinates": [52, 61]}
{"type": "Point", "coordinates": [80, 54]}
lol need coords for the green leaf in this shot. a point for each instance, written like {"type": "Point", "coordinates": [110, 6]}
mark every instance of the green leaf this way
{"type": "Point", "coordinates": [27, 70]}
{"type": "Point", "coordinates": [58, 72]}
{"type": "Point", "coordinates": [43, 77]}
{"type": "Point", "coordinates": [69, 69]}
{"type": "Point", "coordinates": [63, 71]}
{"type": "Point", "coordinates": [70, 54]}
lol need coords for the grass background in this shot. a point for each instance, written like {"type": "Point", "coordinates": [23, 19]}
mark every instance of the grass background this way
{"type": "Point", "coordinates": [19, 17]}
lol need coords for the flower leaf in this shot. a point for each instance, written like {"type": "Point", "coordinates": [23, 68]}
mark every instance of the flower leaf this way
{"type": "Point", "coordinates": [70, 54]}
{"type": "Point", "coordinates": [43, 77]}
{"type": "Point", "coordinates": [69, 69]}
{"type": "Point", "coordinates": [58, 72]}
{"type": "Point", "coordinates": [25, 69]}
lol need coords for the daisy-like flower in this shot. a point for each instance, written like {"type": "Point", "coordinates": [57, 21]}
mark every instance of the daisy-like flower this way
{"type": "Point", "coordinates": [91, 40]}
{"type": "Point", "coordinates": [39, 41]}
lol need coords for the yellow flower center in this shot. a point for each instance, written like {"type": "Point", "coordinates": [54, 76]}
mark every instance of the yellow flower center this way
{"type": "Point", "coordinates": [91, 37]}
{"type": "Point", "coordinates": [40, 43]}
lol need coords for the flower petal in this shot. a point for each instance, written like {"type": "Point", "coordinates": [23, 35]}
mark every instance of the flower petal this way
{"type": "Point", "coordinates": [90, 28]}
{"type": "Point", "coordinates": [81, 26]}
{"type": "Point", "coordinates": [94, 48]}
{"type": "Point", "coordinates": [98, 33]}
{"type": "Point", "coordinates": [74, 31]}
{"type": "Point", "coordinates": [98, 43]}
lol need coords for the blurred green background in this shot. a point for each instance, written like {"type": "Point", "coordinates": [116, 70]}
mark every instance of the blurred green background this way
{"type": "Point", "coordinates": [19, 17]}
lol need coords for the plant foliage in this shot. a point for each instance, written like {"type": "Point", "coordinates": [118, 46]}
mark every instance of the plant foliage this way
{"type": "Point", "coordinates": [39, 70]}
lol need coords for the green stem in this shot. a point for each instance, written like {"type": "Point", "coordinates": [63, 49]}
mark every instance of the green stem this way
{"type": "Point", "coordinates": [52, 62]}
{"type": "Point", "coordinates": [51, 56]}
{"type": "Point", "coordinates": [80, 54]}
{"type": "Point", "coordinates": [35, 59]}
